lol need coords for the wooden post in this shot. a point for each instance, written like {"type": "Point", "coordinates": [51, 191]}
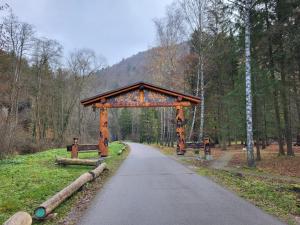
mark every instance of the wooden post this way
{"type": "Point", "coordinates": [20, 218]}
{"type": "Point", "coordinates": [104, 133]}
{"type": "Point", "coordinates": [48, 206]}
{"type": "Point", "coordinates": [207, 151]}
{"type": "Point", "coordinates": [74, 152]}
{"type": "Point", "coordinates": [85, 162]}
{"type": "Point", "coordinates": [180, 130]}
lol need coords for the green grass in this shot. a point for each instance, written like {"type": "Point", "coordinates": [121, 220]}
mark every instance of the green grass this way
{"type": "Point", "coordinates": [274, 197]}
{"type": "Point", "coordinates": [28, 180]}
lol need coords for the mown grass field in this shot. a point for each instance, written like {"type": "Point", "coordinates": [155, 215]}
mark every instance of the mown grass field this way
{"type": "Point", "coordinates": [28, 180]}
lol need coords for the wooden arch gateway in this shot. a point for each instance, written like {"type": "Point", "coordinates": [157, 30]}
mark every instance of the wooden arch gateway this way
{"type": "Point", "coordinates": [141, 95]}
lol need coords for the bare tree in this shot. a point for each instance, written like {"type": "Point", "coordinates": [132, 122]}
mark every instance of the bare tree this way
{"type": "Point", "coordinates": [16, 39]}
{"type": "Point", "coordinates": [46, 54]}
{"type": "Point", "coordinates": [170, 33]}
{"type": "Point", "coordinates": [3, 7]}
{"type": "Point", "coordinates": [83, 64]}
{"type": "Point", "coordinates": [195, 16]}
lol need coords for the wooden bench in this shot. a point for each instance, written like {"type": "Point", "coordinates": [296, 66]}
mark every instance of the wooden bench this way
{"type": "Point", "coordinates": [206, 145]}
{"type": "Point", "coordinates": [75, 148]}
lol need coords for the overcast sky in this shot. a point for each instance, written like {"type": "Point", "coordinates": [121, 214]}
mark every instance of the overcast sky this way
{"type": "Point", "coordinates": [114, 28]}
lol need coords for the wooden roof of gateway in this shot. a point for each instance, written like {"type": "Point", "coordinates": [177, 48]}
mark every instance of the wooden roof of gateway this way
{"type": "Point", "coordinates": [139, 85]}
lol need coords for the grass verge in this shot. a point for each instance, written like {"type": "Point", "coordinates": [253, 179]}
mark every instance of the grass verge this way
{"type": "Point", "coordinates": [29, 180]}
{"type": "Point", "coordinates": [277, 197]}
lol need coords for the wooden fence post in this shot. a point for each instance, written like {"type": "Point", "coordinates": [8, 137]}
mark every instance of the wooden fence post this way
{"type": "Point", "coordinates": [207, 149]}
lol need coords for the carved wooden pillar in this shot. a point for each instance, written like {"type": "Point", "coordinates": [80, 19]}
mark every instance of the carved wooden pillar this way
{"type": "Point", "coordinates": [180, 130]}
{"type": "Point", "coordinates": [74, 151]}
{"type": "Point", "coordinates": [104, 133]}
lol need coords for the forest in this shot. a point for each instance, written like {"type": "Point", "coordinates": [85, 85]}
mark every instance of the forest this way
{"type": "Point", "coordinates": [200, 50]}
{"type": "Point", "coordinates": [214, 69]}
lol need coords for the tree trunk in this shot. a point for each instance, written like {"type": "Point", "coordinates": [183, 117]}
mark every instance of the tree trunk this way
{"type": "Point", "coordinates": [284, 90]}
{"type": "Point", "coordinates": [20, 218]}
{"type": "Point", "coordinates": [47, 207]}
{"type": "Point", "coordinates": [275, 92]}
{"type": "Point", "coordinates": [286, 113]}
{"type": "Point", "coordinates": [256, 118]}
{"type": "Point", "coordinates": [297, 101]}
{"type": "Point", "coordinates": [161, 127]}
{"type": "Point", "coordinates": [265, 136]}
{"type": "Point", "coordinates": [74, 161]}
{"type": "Point", "coordinates": [202, 101]}
{"type": "Point", "coordinates": [197, 93]}
{"type": "Point", "coordinates": [250, 155]}
{"type": "Point", "coordinates": [258, 156]}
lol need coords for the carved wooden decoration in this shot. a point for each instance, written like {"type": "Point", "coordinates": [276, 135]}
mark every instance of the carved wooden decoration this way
{"type": "Point", "coordinates": [140, 95]}
{"type": "Point", "coordinates": [103, 133]}
{"type": "Point", "coordinates": [180, 130]}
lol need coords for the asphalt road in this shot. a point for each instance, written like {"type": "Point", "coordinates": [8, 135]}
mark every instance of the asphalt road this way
{"type": "Point", "coordinates": [152, 189]}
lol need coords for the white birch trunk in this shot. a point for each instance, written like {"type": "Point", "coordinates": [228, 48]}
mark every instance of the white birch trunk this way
{"type": "Point", "coordinates": [161, 126]}
{"type": "Point", "coordinates": [202, 101]}
{"type": "Point", "coordinates": [195, 107]}
{"type": "Point", "coordinates": [250, 154]}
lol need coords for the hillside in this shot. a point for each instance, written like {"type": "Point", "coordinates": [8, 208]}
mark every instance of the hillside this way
{"type": "Point", "coordinates": [131, 70]}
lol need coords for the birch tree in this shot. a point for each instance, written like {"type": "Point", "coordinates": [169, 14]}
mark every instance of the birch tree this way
{"type": "Point", "coordinates": [249, 122]}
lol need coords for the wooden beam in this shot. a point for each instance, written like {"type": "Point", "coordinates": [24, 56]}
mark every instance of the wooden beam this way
{"type": "Point", "coordinates": [48, 206]}
{"type": "Point", "coordinates": [84, 162]}
{"type": "Point", "coordinates": [84, 147]}
{"type": "Point", "coordinates": [142, 104]}
{"type": "Point", "coordinates": [19, 218]}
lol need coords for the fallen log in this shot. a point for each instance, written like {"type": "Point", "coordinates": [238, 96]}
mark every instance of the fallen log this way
{"type": "Point", "coordinates": [74, 161]}
{"type": "Point", "coordinates": [20, 218]}
{"type": "Point", "coordinates": [121, 150]}
{"type": "Point", "coordinates": [48, 206]}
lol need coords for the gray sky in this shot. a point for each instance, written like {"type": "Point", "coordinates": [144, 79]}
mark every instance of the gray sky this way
{"type": "Point", "coordinates": [114, 28]}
